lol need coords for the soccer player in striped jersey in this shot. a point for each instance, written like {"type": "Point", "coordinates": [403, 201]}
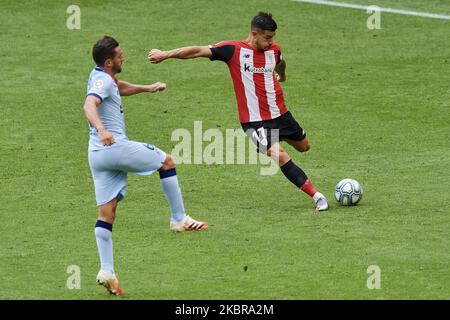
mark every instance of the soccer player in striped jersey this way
{"type": "Point", "coordinates": [256, 66]}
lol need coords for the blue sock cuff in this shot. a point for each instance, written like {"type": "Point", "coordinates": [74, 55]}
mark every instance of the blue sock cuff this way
{"type": "Point", "coordinates": [167, 173]}
{"type": "Point", "coordinates": [104, 225]}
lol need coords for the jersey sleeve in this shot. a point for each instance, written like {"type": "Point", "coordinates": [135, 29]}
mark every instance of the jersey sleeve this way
{"type": "Point", "coordinates": [100, 87]}
{"type": "Point", "coordinates": [222, 51]}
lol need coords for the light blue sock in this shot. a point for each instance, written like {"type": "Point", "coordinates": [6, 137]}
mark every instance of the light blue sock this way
{"type": "Point", "coordinates": [169, 183]}
{"type": "Point", "coordinates": [103, 234]}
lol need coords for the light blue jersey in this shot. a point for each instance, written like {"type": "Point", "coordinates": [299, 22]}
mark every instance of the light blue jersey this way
{"type": "Point", "coordinates": [104, 87]}
{"type": "Point", "coordinates": [110, 165]}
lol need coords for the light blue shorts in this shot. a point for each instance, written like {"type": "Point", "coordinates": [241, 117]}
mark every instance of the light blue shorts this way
{"type": "Point", "coordinates": [110, 166]}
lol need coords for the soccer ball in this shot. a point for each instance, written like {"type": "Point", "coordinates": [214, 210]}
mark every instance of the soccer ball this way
{"type": "Point", "coordinates": [348, 192]}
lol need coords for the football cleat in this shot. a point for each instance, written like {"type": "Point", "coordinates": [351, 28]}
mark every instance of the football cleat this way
{"type": "Point", "coordinates": [187, 224]}
{"type": "Point", "coordinates": [109, 280]}
{"type": "Point", "coordinates": [321, 203]}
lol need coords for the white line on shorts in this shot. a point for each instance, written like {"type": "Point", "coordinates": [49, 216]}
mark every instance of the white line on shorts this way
{"type": "Point", "coordinates": [389, 10]}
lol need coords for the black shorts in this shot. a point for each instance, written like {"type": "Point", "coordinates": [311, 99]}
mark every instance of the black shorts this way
{"type": "Point", "coordinates": [266, 133]}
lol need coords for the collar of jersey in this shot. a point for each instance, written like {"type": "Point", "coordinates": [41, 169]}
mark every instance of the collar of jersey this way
{"type": "Point", "coordinates": [251, 48]}
{"type": "Point", "coordinates": [97, 68]}
{"type": "Point", "coordinates": [100, 69]}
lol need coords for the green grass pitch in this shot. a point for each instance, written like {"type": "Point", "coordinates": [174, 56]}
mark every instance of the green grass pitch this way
{"type": "Point", "coordinates": [376, 107]}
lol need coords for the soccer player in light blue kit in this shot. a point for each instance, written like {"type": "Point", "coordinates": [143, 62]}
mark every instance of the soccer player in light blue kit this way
{"type": "Point", "coordinates": [112, 155]}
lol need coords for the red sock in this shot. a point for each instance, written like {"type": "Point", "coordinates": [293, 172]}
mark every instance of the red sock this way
{"type": "Point", "coordinates": [308, 188]}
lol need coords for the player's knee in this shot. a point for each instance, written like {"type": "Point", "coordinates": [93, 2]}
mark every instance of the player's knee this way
{"type": "Point", "coordinates": [107, 212]}
{"type": "Point", "coordinates": [305, 147]}
{"type": "Point", "coordinates": [107, 215]}
{"type": "Point", "coordinates": [169, 163]}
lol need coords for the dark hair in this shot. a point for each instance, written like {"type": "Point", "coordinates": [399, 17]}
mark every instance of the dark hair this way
{"type": "Point", "coordinates": [104, 49]}
{"type": "Point", "coordinates": [264, 21]}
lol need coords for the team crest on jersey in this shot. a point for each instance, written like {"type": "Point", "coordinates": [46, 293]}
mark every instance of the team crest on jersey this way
{"type": "Point", "coordinates": [99, 84]}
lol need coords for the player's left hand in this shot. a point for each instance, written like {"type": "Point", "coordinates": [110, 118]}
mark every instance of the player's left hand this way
{"type": "Point", "coordinates": [279, 78]}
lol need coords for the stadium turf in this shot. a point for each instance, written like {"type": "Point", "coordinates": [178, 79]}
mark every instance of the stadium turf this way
{"type": "Point", "coordinates": [375, 105]}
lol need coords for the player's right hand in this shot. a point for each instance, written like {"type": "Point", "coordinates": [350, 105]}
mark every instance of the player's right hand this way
{"type": "Point", "coordinates": [159, 86]}
{"type": "Point", "coordinates": [156, 56]}
{"type": "Point", "coordinates": [106, 137]}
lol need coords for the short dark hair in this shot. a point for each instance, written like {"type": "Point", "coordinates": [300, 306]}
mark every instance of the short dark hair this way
{"type": "Point", "coordinates": [104, 49]}
{"type": "Point", "coordinates": [264, 21]}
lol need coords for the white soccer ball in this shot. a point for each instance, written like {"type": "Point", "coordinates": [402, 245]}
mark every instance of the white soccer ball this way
{"type": "Point", "coordinates": [348, 192]}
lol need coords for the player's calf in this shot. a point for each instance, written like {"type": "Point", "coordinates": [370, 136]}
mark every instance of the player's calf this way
{"type": "Point", "coordinates": [297, 176]}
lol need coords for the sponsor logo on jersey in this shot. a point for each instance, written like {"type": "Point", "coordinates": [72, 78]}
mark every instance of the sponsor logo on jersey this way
{"type": "Point", "coordinates": [247, 68]}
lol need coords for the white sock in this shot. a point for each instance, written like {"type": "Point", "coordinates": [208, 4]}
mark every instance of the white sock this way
{"type": "Point", "coordinates": [169, 183]}
{"type": "Point", "coordinates": [317, 196]}
{"type": "Point", "coordinates": [103, 235]}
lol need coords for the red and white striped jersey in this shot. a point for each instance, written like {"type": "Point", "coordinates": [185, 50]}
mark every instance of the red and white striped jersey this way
{"type": "Point", "coordinates": [258, 93]}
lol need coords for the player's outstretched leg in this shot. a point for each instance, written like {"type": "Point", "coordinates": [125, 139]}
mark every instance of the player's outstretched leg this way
{"type": "Point", "coordinates": [103, 234]}
{"type": "Point", "coordinates": [179, 221]}
{"type": "Point", "coordinates": [297, 176]}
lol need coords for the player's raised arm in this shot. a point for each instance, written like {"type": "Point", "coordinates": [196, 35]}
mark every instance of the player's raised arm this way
{"type": "Point", "coordinates": [157, 56]}
{"type": "Point", "coordinates": [128, 89]}
{"type": "Point", "coordinates": [90, 110]}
